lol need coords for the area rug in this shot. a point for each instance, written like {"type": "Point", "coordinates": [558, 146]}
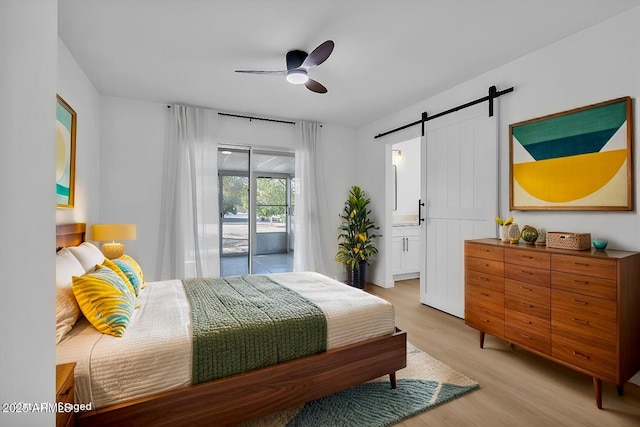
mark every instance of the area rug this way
{"type": "Point", "coordinates": [424, 384]}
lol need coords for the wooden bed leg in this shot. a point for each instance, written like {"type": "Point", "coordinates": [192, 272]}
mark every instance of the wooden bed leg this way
{"type": "Point", "coordinates": [392, 380]}
{"type": "Point", "coordinates": [620, 389]}
{"type": "Point", "coordinates": [597, 386]}
{"type": "Point", "coordinates": [481, 339]}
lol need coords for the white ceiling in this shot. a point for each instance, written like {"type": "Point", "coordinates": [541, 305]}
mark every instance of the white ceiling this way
{"type": "Point", "coordinates": [388, 54]}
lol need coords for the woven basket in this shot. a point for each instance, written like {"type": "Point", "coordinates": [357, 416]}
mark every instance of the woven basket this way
{"type": "Point", "coordinates": [564, 240]}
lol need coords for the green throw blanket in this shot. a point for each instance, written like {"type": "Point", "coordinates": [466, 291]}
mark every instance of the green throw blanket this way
{"type": "Point", "coordinates": [248, 322]}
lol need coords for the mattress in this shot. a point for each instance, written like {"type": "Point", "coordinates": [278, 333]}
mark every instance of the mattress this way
{"type": "Point", "coordinates": [154, 355]}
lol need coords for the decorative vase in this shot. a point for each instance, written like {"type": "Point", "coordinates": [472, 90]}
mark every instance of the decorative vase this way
{"type": "Point", "coordinates": [600, 243]}
{"type": "Point", "coordinates": [504, 233]}
{"type": "Point", "coordinates": [529, 234]}
{"type": "Point", "coordinates": [514, 233]}
{"type": "Point", "coordinates": [542, 237]}
{"type": "Point", "coordinates": [358, 276]}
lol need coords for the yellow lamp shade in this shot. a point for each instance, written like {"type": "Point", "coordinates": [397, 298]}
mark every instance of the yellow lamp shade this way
{"type": "Point", "coordinates": [113, 233]}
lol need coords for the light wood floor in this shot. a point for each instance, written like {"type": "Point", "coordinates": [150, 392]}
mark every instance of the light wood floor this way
{"type": "Point", "coordinates": [517, 388]}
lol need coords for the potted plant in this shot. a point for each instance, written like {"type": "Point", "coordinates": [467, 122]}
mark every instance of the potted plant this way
{"type": "Point", "coordinates": [356, 244]}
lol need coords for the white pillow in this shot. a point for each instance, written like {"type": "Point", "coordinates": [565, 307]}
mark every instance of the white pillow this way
{"type": "Point", "coordinates": [67, 309]}
{"type": "Point", "coordinates": [88, 255]}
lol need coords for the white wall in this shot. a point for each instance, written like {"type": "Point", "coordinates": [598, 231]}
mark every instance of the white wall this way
{"type": "Point", "coordinates": [131, 154]}
{"type": "Point", "coordinates": [28, 33]}
{"type": "Point", "coordinates": [78, 91]}
{"type": "Point", "coordinates": [595, 65]}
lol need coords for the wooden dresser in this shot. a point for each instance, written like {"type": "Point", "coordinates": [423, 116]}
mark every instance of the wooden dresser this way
{"type": "Point", "coordinates": [578, 308]}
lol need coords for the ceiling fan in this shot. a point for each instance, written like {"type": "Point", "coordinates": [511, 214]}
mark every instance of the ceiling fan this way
{"type": "Point", "coordinates": [298, 63]}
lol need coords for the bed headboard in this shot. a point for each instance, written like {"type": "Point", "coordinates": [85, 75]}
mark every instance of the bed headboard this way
{"type": "Point", "coordinates": [70, 234]}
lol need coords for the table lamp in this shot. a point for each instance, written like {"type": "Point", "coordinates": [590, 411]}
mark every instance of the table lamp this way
{"type": "Point", "coordinates": [113, 233]}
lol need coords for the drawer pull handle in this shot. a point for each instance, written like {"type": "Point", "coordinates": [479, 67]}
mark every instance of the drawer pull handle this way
{"type": "Point", "coordinates": [484, 294]}
{"type": "Point", "coordinates": [485, 320]}
{"type": "Point", "coordinates": [582, 282]}
{"type": "Point", "coordinates": [584, 322]}
{"type": "Point", "coordinates": [528, 322]}
{"type": "Point", "coordinates": [584, 356]}
{"type": "Point", "coordinates": [526, 256]}
{"type": "Point", "coordinates": [577, 301]}
{"type": "Point", "coordinates": [583, 264]}
{"type": "Point", "coordinates": [526, 272]}
{"type": "Point", "coordinates": [526, 305]}
{"type": "Point", "coordinates": [483, 278]}
{"type": "Point", "coordinates": [526, 289]}
{"type": "Point", "coordinates": [526, 336]}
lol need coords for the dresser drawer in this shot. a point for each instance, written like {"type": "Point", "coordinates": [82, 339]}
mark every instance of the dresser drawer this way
{"type": "Point", "coordinates": [590, 320]}
{"type": "Point", "coordinates": [484, 319]}
{"type": "Point", "coordinates": [487, 266]}
{"type": "Point", "coordinates": [528, 331]}
{"type": "Point", "coordinates": [527, 257]}
{"type": "Point", "coordinates": [480, 296]}
{"type": "Point", "coordinates": [489, 281]}
{"type": "Point", "coordinates": [528, 299]}
{"type": "Point", "coordinates": [584, 266]}
{"type": "Point", "coordinates": [600, 363]}
{"type": "Point", "coordinates": [495, 253]}
{"type": "Point", "coordinates": [585, 285]}
{"type": "Point", "coordinates": [521, 273]}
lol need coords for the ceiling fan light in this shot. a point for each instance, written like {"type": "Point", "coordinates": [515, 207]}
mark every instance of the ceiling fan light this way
{"type": "Point", "coordinates": [297, 77]}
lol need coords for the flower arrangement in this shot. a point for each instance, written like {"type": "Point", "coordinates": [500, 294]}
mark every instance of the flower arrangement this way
{"type": "Point", "coordinates": [505, 222]}
{"type": "Point", "coordinates": [505, 225]}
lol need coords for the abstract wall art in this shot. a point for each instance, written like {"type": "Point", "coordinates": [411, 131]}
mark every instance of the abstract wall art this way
{"type": "Point", "coordinates": [574, 160]}
{"type": "Point", "coordinates": [65, 153]}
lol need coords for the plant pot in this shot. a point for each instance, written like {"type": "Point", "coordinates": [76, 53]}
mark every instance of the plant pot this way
{"type": "Point", "coordinates": [504, 233]}
{"type": "Point", "coordinates": [357, 277]}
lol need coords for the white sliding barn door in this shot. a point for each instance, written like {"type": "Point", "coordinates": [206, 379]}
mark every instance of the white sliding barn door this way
{"type": "Point", "coordinates": [460, 167]}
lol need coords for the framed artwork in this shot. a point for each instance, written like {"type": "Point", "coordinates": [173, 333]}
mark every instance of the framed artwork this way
{"type": "Point", "coordinates": [574, 160]}
{"type": "Point", "coordinates": [65, 153]}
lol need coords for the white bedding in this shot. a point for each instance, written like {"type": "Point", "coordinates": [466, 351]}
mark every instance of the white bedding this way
{"type": "Point", "coordinates": [154, 355]}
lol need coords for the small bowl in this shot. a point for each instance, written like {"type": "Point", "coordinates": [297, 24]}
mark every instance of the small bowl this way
{"type": "Point", "coordinates": [600, 243]}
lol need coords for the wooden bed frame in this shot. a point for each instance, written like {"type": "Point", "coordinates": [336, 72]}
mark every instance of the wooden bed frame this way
{"type": "Point", "coordinates": [235, 399]}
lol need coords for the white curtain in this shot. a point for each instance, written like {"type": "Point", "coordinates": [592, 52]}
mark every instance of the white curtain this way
{"type": "Point", "coordinates": [311, 211]}
{"type": "Point", "coordinates": [189, 233]}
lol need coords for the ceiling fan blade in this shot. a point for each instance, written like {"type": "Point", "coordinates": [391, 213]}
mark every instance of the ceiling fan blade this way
{"type": "Point", "coordinates": [315, 86]}
{"type": "Point", "coordinates": [281, 72]}
{"type": "Point", "coordinates": [319, 55]}
{"type": "Point", "coordinates": [295, 58]}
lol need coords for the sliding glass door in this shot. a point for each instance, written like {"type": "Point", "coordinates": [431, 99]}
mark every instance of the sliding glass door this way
{"type": "Point", "coordinates": [256, 208]}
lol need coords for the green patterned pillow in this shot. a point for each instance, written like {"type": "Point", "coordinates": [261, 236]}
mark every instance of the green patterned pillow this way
{"type": "Point", "coordinates": [129, 270]}
{"type": "Point", "coordinates": [105, 300]}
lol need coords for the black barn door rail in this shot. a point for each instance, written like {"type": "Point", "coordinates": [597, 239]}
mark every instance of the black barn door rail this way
{"type": "Point", "coordinates": [493, 93]}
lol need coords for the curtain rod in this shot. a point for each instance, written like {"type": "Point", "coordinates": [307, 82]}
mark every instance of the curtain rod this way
{"type": "Point", "coordinates": [257, 118]}
{"type": "Point", "coordinates": [253, 118]}
{"type": "Point", "coordinates": [493, 93]}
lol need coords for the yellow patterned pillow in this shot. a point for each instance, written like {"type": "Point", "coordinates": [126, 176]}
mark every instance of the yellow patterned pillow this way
{"type": "Point", "coordinates": [105, 300]}
{"type": "Point", "coordinates": [131, 273]}
{"type": "Point", "coordinates": [107, 263]}
{"type": "Point", "coordinates": [136, 267]}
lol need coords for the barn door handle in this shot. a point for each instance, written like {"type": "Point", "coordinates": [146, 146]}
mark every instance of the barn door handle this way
{"type": "Point", "coordinates": [420, 205]}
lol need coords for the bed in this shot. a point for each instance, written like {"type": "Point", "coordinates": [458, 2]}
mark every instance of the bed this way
{"type": "Point", "coordinates": [352, 357]}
